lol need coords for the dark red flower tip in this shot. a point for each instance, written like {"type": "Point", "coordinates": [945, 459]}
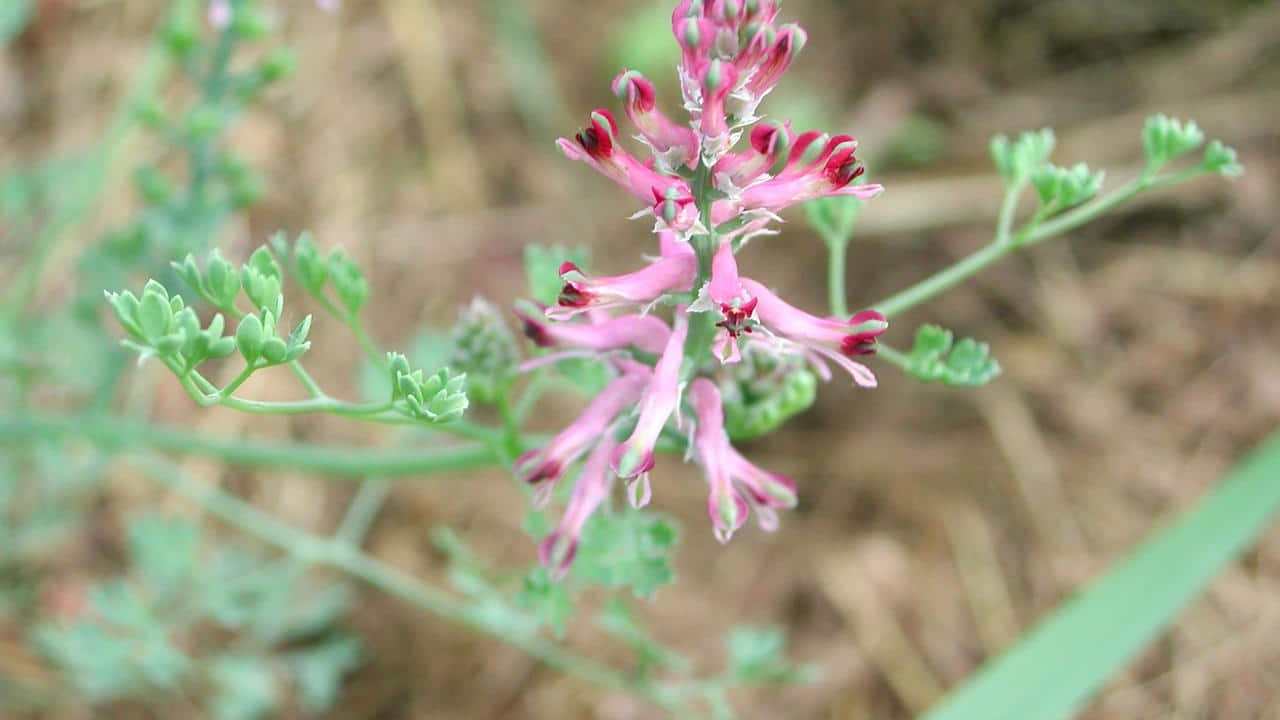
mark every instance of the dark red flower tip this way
{"type": "Point", "coordinates": [535, 330]}
{"type": "Point", "coordinates": [641, 94]}
{"type": "Point", "coordinates": [867, 316]}
{"type": "Point", "coordinates": [738, 319]}
{"type": "Point", "coordinates": [569, 266]}
{"type": "Point", "coordinates": [858, 345]}
{"type": "Point", "coordinates": [573, 295]}
{"type": "Point", "coordinates": [547, 470]}
{"type": "Point", "coordinates": [766, 136]}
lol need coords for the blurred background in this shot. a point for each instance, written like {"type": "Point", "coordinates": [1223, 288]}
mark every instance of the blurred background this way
{"type": "Point", "coordinates": [935, 525]}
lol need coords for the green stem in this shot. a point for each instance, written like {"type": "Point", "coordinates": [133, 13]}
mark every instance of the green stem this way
{"type": "Point", "coordinates": [115, 433]}
{"type": "Point", "coordinates": [343, 556]}
{"type": "Point", "coordinates": [1005, 243]}
{"type": "Point", "coordinates": [362, 511]}
{"type": "Point", "coordinates": [836, 249]}
{"type": "Point", "coordinates": [702, 325]}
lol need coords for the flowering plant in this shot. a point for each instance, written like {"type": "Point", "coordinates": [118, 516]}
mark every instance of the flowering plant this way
{"type": "Point", "coordinates": [687, 356]}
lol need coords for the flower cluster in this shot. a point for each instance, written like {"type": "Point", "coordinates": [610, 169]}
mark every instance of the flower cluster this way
{"type": "Point", "coordinates": [707, 200]}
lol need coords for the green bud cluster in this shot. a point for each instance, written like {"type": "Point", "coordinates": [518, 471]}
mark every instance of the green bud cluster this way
{"type": "Point", "coordinates": [1063, 188]}
{"type": "Point", "coordinates": [1165, 139]}
{"type": "Point", "coordinates": [161, 325]}
{"type": "Point", "coordinates": [316, 272]}
{"type": "Point", "coordinates": [484, 348]}
{"type": "Point", "coordinates": [1017, 160]}
{"type": "Point", "coordinates": [937, 357]}
{"type": "Point", "coordinates": [439, 398]}
{"type": "Point", "coordinates": [763, 391]}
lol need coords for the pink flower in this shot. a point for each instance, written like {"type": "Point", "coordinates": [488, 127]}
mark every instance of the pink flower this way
{"type": "Point", "coordinates": [769, 145]}
{"type": "Point", "coordinates": [790, 41]}
{"type": "Point", "coordinates": [674, 271]}
{"type": "Point", "coordinates": [718, 81]}
{"type": "Point", "coordinates": [633, 459]}
{"type": "Point", "coordinates": [673, 145]}
{"type": "Point", "coordinates": [820, 338]}
{"type": "Point", "coordinates": [735, 484]}
{"type": "Point", "coordinates": [643, 332]}
{"type": "Point", "coordinates": [597, 145]}
{"type": "Point", "coordinates": [557, 550]}
{"type": "Point", "coordinates": [725, 295]}
{"type": "Point", "coordinates": [542, 467]}
{"type": "Point", "coordinates": [832, 172]}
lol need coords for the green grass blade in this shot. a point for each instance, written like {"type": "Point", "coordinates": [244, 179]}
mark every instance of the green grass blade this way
{"type": "Point", "coordinates": [1062, 662]}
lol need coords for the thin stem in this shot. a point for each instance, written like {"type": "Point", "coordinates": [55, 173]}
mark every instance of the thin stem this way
{"type": "Point", "coordinates": [115, 433]}
{"type": "Point", "coordinates": [511, 441]}
{"type": "Point", "coordinates": [308, 382]}
{"type": "Point", "coordinates": [1029, 235]}
{"type": "Point", "coordinates": [1008, 210]}
{"type": "Point", "coordinates": [362, 511]}
{"type": "Point", "coordinates": [418, 593]}
{"type": "Point", "coordinates": [836, 248]}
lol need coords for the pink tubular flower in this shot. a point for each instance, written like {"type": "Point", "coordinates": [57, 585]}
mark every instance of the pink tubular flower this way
{"type": "Point", "coordinates": [633, 459]}
{"type": "Point", "coordinates": [674, 271]}
{"type": "Point", "coordinates": [557, 550]}
{"type": "Point", "coordinates": [790, 41]}
{"type": "Point", "coordinates": [542, 467]}
{"type": "Point", "coordinates": [597, 145]}
{"type": "Point", "coordinates": [672, 144]}
{"type": "Point", "coordinates": [643, 332]}
{"type": "Point", "coordinates": [820, 337]}
{"type": "Point", "coordinates": [769, 145]}
{"type": "Point", "coordinates": [717, 82]}
{"type": "Point", "coordinates": [832, 172]}
{"type": "Point", "coordinates": [735, 484]}
{"type": "Point", "coordinates": [725, 295]}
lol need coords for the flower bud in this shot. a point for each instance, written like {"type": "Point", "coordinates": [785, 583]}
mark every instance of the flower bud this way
{"type": "Point", "coordinates": [484, 348]}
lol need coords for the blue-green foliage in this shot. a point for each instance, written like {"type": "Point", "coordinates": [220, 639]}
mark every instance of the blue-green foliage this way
{"type": "Point", "coordinates": [142, 635]}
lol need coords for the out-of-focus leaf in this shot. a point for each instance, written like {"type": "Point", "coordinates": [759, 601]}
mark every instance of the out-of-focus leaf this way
{"type": "Point", "coordinates": [246, 687]}
{"type": "Point", "coordinates": [14, 15]}
{"type": "Point", "coordinates": [758, 656]}
{"type": "Point", "coordinates": [549, 600]}
{"type": "Point", "coordinates": [318, 671]}
{"type": "Point", "coordinates": [631, 549]}
{"type": "Point", "coordinates": [164, 552]}
{"type": "Point", "coordinates": [1061, 663]}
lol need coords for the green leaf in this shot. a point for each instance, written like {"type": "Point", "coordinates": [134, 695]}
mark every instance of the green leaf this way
{"type": "Point", "coordinates": [757, 656]}
{"type": "Point", "coordinates": [14, 15]}
{"type": "Point", "coordinates": [936, 357]}
{"type": "Point", "coordinates": [249, 338]}
{"type": "Point", "coordinates": [629, 549]}
{"type": "Point", "coordinates": [245, 687]}
{"type": "Point", "coordinates": [549, 600]}
{"type": "Point", "coordinates": [1068, 657]}
{"type": "Point", "coordinates": [833, 217]}
{"type": "Point", "coordinates": [542, 269]}
{"type": "Point", "coordinates": [318, 671]}
{"type": "Point", "coordinates": [1016, 160]}
{"type": "Point", "coordinates": [1219, 158]}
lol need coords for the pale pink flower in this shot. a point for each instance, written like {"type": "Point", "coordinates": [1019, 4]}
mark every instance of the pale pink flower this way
{"type": "Point", "coordinates": [643, 332]}
{"type": "Point", "coordinates": [633, 459]}
{"type": "Point", "coordinates": [725, 296]}
{"type": "Point", "coordinates": [820, 338]}
{"type": "Point", "coordinates": [674, 271]}
{"type": "Point", "coordinates": [673, 145]}
{"type": "Point", "coordinates": [557, 550]}
{"type": "Point", "coordinates": [735, 483]}
{"type": "Point", "coordinates": [544, 466]}
{"type": "Point", "coordinates": [597, 145]}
